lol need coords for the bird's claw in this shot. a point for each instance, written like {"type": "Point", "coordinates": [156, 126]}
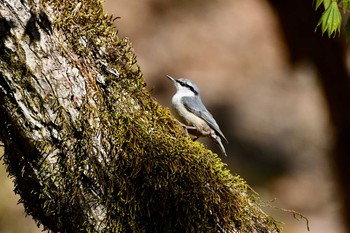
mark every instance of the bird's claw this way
{"type": "Point", "coordinates": [186, 127]}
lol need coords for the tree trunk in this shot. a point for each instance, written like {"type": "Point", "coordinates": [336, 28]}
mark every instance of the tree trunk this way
{"type": "Point", "coordinates": [87, 146]}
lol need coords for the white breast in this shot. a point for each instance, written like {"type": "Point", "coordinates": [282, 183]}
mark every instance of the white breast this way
{"type": "Point", "coordinates": [188, 117]}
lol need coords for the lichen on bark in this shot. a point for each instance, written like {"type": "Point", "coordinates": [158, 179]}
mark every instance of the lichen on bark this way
{"type": "Point", "coordinates": [88, 147]}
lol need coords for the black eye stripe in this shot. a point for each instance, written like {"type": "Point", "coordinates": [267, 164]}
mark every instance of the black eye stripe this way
{"type": "Point", "coordinates": [188, 86]}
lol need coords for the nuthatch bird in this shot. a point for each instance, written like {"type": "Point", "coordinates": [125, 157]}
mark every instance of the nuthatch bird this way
{"type": "Point", "coordinates": [188, 105]}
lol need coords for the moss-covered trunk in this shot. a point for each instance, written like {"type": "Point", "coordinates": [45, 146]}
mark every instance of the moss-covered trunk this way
{"type": "Point", "coordinates": [88, 147]}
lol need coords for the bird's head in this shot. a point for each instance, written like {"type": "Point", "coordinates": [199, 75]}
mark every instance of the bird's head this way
{"type": "Point", "coordinates": [184, 85]}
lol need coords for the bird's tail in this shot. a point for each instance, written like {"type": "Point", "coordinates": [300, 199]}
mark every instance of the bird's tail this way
{"type": "Point", "coordinates": [217, 140]}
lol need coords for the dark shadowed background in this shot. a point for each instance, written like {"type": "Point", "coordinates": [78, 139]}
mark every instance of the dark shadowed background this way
{"type": "Point", "coordinates": [272, 113]}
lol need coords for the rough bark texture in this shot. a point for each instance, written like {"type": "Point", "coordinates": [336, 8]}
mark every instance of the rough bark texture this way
{"type": "Point", "coordinates": [298, 20]}
{"type": "Point", "coordinates": [87, 146]}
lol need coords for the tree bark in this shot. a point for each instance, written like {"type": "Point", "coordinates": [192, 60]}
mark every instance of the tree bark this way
{"type": "Point", "coordinates": [88, 147]}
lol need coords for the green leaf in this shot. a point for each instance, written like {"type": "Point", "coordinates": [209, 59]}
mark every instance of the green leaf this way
{"type": "Point", "coordinates": [326, 3]}
{"type": "Point", "coordinates": [345, 4]}
{"type": "Point", "coordinates": [318, 3]}
{"type": "Point", "coordinates": [330, 20]}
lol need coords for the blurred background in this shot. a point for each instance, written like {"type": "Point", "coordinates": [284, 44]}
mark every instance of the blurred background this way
{"type": "Point", "coordinates": [269, 106]}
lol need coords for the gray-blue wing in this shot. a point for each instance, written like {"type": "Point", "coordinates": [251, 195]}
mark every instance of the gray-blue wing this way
{"type": "Point", "coordinates": [195, 105]}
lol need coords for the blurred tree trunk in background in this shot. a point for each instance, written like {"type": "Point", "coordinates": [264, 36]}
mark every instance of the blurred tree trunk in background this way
{"type": "Point", "coordinates": [298, 20]}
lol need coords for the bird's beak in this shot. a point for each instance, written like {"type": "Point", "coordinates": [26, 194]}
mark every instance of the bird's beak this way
{"type": "Point", "coordinates": [171, 78]}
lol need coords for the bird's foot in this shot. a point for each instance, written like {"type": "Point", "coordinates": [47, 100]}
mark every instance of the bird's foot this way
{"type": "Point", "coordinates": [195, 138]}
{"type": "Point", "coordinates": [187, 127]}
